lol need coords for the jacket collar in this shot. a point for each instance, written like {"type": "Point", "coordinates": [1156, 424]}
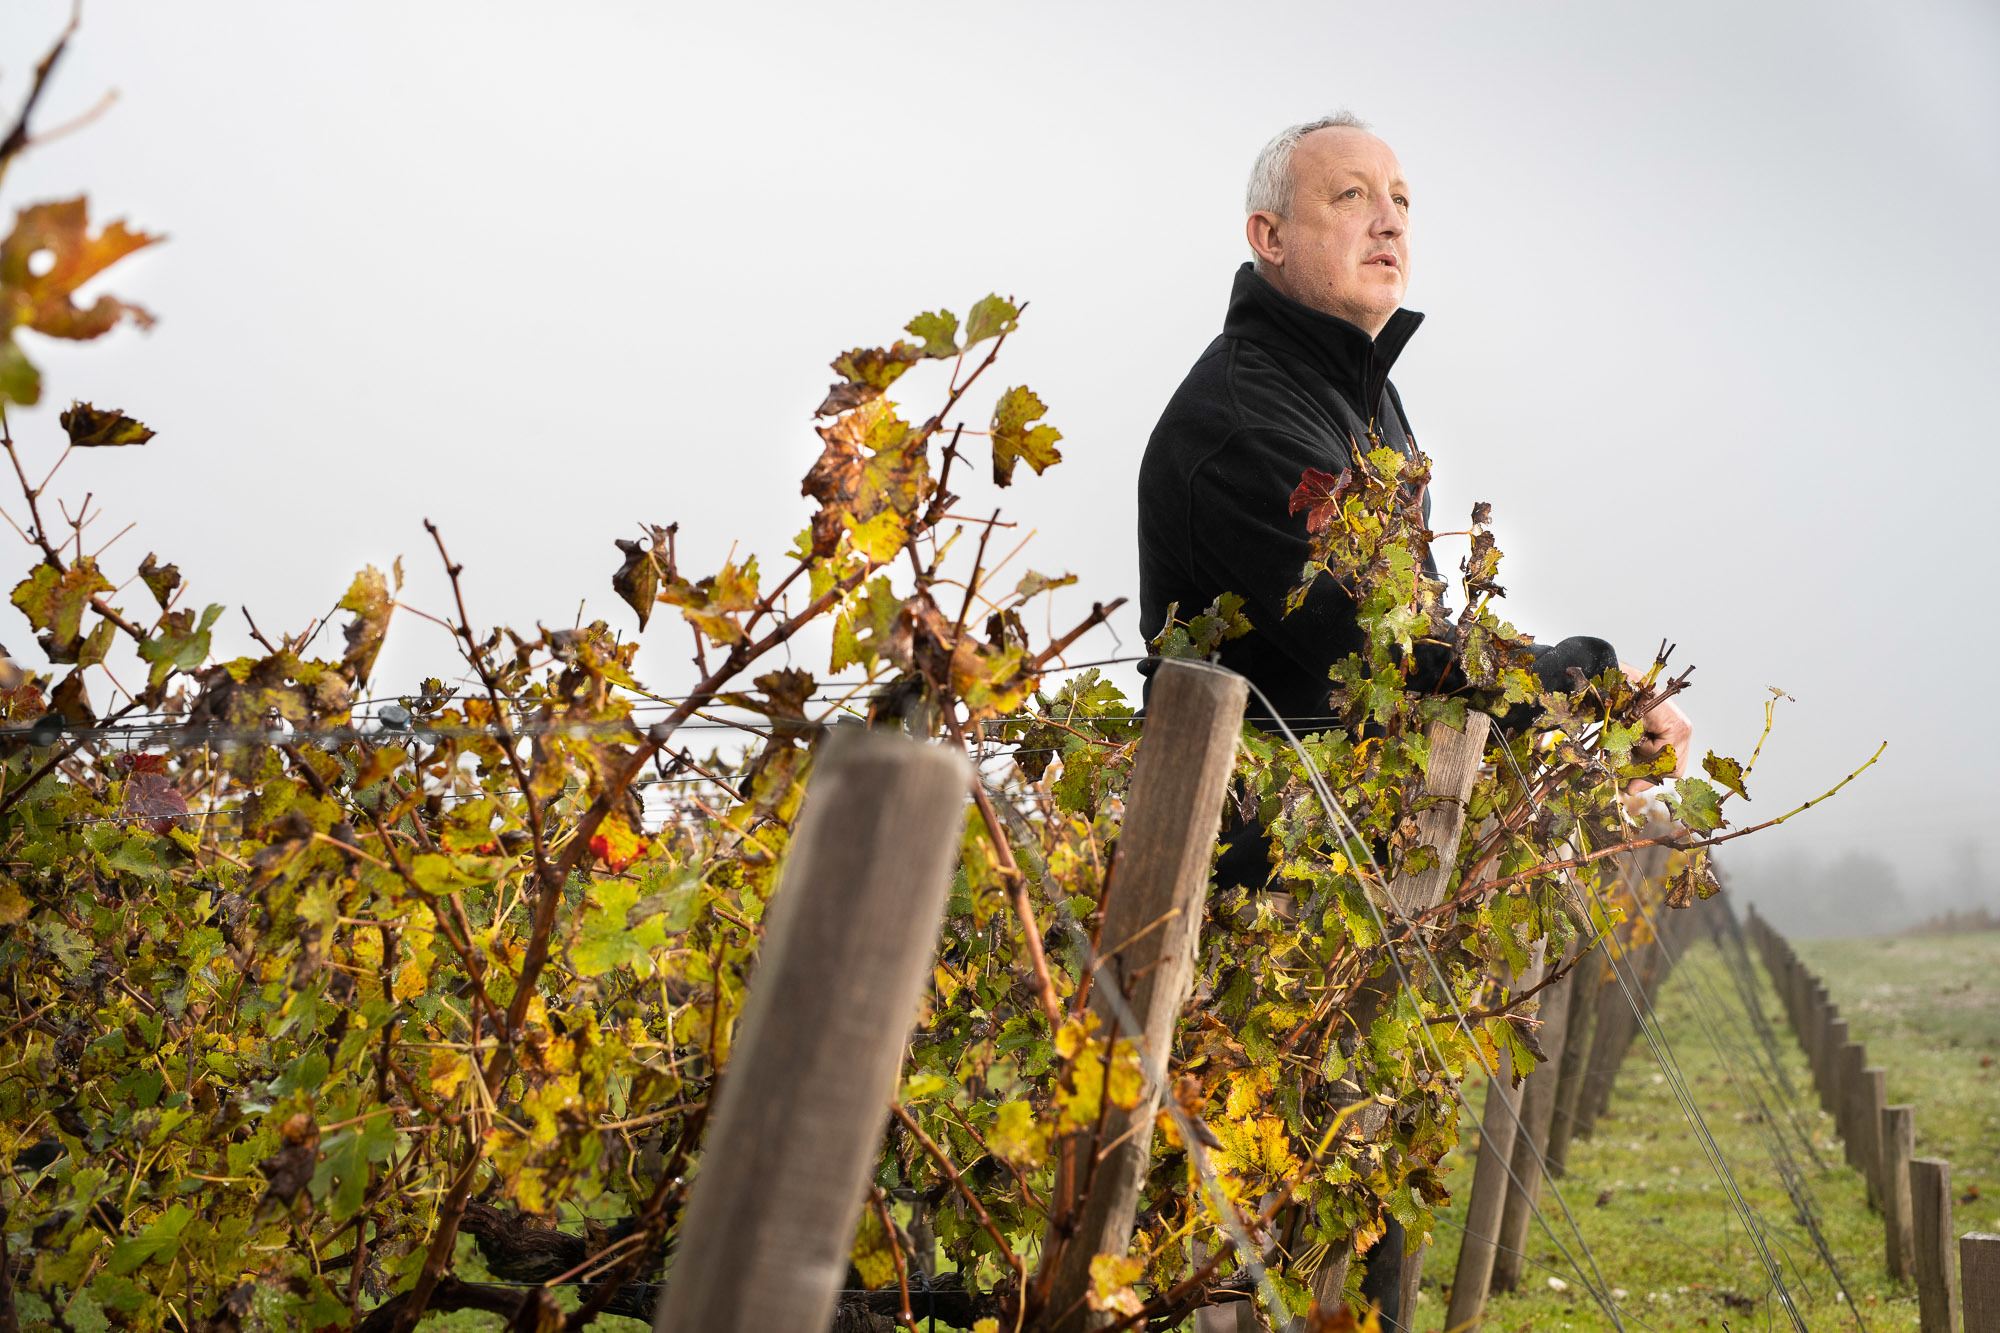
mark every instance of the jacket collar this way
{"type": "Point", "coordinates": [1357, 365]}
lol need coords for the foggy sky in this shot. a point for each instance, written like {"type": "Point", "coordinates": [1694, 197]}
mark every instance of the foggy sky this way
{"type": "Point", "coordinates": [1710, 289]}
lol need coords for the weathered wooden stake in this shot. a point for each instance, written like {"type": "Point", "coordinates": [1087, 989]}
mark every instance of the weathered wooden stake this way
{"type": "Point", "coordinates": [1832, 1043]}
{"type": "Point", "coordinates": [1979, 1281]}
{"type": "Point", "coordinates": [1498, 1127]}
{"type": "Point", "coordinates": [1853, 1061]}
{"type": "Point", "coordinates": [799, 1114]}
{"type": "Point", "coordinates": [1899, 1143]}
{"type": "Point", "coordinates": [1617, 1024]}
{"type": "Point", "coordinates": [1936, 1246]}
{"type": "Point", "coordinates": [1454, 766]}
{"type": "Point", "coordinates": [1538, 1106]}
{"type": "Point", "coordinates": [1152, 921]}
{"type": "Point", "coordinates": [1584, 990]}
{"type": "Point", "coordinates": [1868, 1121]}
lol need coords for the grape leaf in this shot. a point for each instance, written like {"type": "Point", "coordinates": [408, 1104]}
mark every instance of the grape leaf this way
{"type": "Point", "coordinates": [44, 301]}
{"type": "Point", "coordinates": [1727, 771]}
{"type": "Point", "coordinates": [94, 428]}
{"type": "Point", "coordinates": [990, 317]}
{"type": "Point", "coordinates": [938, 329]}
{"type": "Point", "coordinates": [54, 600]}
{"type": "Point", "coordinates": [1015, 438]}
{"type": "Point", "coordinates": [372, 603]}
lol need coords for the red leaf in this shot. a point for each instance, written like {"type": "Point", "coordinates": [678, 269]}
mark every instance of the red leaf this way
{"type": "Point", "coordinates": [1318, 497]}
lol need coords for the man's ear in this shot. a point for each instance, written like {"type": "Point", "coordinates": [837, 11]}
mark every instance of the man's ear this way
{"type": "Point", "coordinates": [1263, 231]}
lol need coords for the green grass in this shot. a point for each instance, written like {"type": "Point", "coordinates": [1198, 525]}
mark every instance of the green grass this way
{"type": "Point", "coordinates": [1650, 1206]}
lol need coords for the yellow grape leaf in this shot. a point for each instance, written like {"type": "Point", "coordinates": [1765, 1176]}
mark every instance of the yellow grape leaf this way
{"type": "Point", "coordinates": [872, 1255]}
{"type": "Point", "coordinates": [1017, 1137]}
{"type": "Point", "coordinates": [448, 1070]}
{"type": "Point", "coordinates": [1016, 439]}
{"type": "Point", "coordinates": [1111, 1279]}
{"type": "Point", "coordinates": [1128, 1077]}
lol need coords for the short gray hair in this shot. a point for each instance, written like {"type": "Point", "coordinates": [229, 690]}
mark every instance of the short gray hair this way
{"type": "Point", "coordinates": [1271, 182]}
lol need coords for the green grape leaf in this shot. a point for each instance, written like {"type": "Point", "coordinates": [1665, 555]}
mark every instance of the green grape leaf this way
{"type": "Point", "coordinates": [1696, 804]}
{"type": "Point", "coordinates": [991, 316]}
{"type": "Point", "coordinates": [939, 331]}
{"type": "Point", "coordinates": [180, 643]}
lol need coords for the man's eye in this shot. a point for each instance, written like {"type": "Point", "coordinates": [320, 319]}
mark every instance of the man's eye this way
{"type": "Point", "coordinates": [1402, 202]}
{"type": "Point", "coordinates": [1351, 192]}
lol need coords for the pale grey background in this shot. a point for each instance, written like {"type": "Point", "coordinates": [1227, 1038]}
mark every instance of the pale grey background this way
{"type": "Point", "coordinates": [1711, 293]}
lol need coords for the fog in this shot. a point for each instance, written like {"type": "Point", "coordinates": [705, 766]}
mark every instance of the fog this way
{"type": "Point", "coordinates": [1711, 296]}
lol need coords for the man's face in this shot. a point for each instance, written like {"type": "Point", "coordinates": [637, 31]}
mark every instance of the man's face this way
{"type": "Point", "coordinates": [1344, 248]}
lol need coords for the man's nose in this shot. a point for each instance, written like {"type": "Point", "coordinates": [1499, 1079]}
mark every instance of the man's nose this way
{"type": "Point", "coordinates": [1388, 222]}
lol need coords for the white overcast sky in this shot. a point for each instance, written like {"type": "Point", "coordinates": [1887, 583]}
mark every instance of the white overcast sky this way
{"type": "Point", "coordinates": [1711, 293]}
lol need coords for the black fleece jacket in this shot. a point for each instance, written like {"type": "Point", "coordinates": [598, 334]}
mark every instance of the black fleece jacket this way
{"type": "Point", "coordinates": [1282, 389]}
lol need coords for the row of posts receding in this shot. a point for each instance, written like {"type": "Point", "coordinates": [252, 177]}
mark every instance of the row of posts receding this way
{"type": "Point", "coordinates": [1954, 1275]}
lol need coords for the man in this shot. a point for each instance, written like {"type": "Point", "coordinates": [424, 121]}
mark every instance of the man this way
{"type": "Point", "coordinates": [1301, 368]}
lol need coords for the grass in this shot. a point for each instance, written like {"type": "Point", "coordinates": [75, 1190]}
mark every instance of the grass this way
{"type": "Point", "coordinates": [1651, 1208]}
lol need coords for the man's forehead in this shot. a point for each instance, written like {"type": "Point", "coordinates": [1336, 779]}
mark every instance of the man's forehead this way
{"type": "Point", "coordinates": [1344, 150]}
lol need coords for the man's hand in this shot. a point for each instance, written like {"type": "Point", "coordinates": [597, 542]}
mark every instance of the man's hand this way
{"type": "Point", "coordinates": [1666, 725]}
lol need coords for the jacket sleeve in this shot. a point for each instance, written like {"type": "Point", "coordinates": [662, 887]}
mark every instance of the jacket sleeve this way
{"type": "Point", "coordinates": [1243, 539]}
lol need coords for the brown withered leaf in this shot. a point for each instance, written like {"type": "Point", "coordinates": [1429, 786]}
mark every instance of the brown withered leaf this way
{"type": "Point", "coordinates": [160, 579]}
{"type": "Point", "coordinates": [638, 578]}
{"type": "Point", "coordinates": [864, 373]}
{"type": "Point", "coordinates": [101, 428]}
{"type": "Point", "coordinates": [45, 301]}
{"type": "Point", "coordinates": [72, 701]}
{"type": "Point", "coordinates": [872, 464]}
{"type": "Point", "coordinates": [1692, 879]}
{"type": "Point", "coordinates": [372, 602]}
{"type": "Point", "coordinates": [1481, 566]}
{"type": "Point", "coordinates": [289, 1170]}
{"type": "Point", "coordinates": [783, 698]}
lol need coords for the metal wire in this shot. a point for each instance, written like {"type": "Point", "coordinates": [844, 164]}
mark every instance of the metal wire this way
{"type": "Point", "coordinates": [1593, 1282]}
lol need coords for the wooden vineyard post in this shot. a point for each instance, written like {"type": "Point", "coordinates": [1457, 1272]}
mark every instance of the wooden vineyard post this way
{"type": "Point", "coordinates": [1816, 1050]}
{"type": "Point", "coordinates": [1979, 1280]}
{"type": "Point", "coordinates": [1899, 1142]}
{"type": "Point", "coordinates": [1617, 1024]}
{"type": "Point", "coordinates": [1538, 1107]}
{"type": "Point", "coordinates": [1585, 989]}
{"type": "Point", "coordinates": [1833, 1040]}
{"type": "Point", "coordinates": [1454, 767]}
{"type": "Point", "coordinates": [1499, 1126]}
{"type": "Point", "coordinates": [1153, 910]}
{"type": "Point", "coordinates": [799, 1114]}
{"type": "Point", "coordinates": [1936, 1246]}
{"type": "Point", "coordinates": [1868, 1121]}
{"type": "Point", "coordinates": [1853, 1060]}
